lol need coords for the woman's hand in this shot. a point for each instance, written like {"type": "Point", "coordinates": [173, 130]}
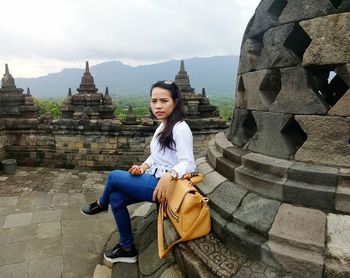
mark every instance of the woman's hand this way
{"type": "Point", "coordinates": [136, 170]}
{"type": "Point", "coordinates": [163, 188]}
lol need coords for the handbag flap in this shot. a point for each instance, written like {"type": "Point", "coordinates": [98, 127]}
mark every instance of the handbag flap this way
{"type": "Point", "coordinates": [178, 194]}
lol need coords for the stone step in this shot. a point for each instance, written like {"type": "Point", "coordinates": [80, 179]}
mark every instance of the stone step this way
{"type": "Point", "coordinates": [299, 262]}
{"type": "Point", "coordinates": [213, 153]}
{"type": "Point", "coordinates": [262, 163]}
{"type": "Point", "coordinates": [267, 185]}
{"type": "Point", "coordinates": [226, 167]}
{"type": "Point", "coordinates": [221, 142]}
{"type": "Point", "coordinates": [234, 154]}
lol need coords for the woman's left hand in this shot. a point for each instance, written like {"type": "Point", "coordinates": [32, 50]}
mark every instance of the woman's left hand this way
{"type": "Point", "coordinates": [163, 189]}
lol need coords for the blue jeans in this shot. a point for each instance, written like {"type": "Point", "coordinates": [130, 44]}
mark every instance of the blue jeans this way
{"type": "Point", "coordinates": [123, 189]}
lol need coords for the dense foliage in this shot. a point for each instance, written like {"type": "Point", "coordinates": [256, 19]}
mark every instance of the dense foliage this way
{"type": "Point", "coordinates": [140, 105]}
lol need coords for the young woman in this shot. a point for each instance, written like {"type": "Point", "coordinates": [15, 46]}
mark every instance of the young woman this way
{"type": "Point", "coordinates": [171, 157]}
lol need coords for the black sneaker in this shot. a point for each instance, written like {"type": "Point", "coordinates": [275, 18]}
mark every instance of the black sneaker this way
{"type": "Point", "coordinates": [118, 254]}
{"type": "Point", "coordinates": [93, 208]}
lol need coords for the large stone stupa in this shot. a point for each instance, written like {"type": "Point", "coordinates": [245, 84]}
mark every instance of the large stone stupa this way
{"type": "Point", "coordinates": [279, 179]}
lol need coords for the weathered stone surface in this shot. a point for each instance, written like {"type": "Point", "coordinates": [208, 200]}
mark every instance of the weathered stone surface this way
{"type": "Point", "coordinates": [102, 271]}
{"type": "Point", "coordinates": [218, 223]}
{"type": "Point", "coordinates": [329, 40]}
{"type": "Point", "coordinates": [268, 139]}
{"type": "Point", "coordinates": [298, 262]}
{"type": "Point", "coordinates": [172, 272]}
{"type": "Point", "coordinates": [213, 153]}
{"type": "Point", "coordinates": [221, 142]}
{"type": "Point", "coordinates": [344, 72]}
{"type": "Point", "coordinates": [210, 182]}
{"type": "Point", "coordinates": [250, 51]}
{"type": "Point", "coordinates": [263, 163]}
{"type": "Point", "coordinates": [257, 213]}
{"type": "Point", "coordinates": [338, 233]}
{"type": "Point", "coordinates": [315, 174]}
{"type": "Point", "coordinates": [226, 198]}
{"type": "Point", "coordinates": [258, 89]}
{"type": "Point", "coordinates": [12, 253]}
{"type": "Point", "coordinates": [124, 270]}
{"type": "Point", "coordinates": [244, 240]}
{"type": "Point", "coordinates": [297, 88]}
{"type": "Point", "coordinates": [242, 128]}
{"type": "Point", "coordinates": [342, 196]}
{"type": "Point", "coordinates": [335, 268]}
{"type": "Point", "coordinates": [15, 270]}
{"type": "Point", "coordinates": [309, 195]}
{"type": "Point", "coordinates": [262, 20]}
{"type": "Point", "coordinates": [299, 227]}
{"type": "Point", "coordinates": [341, 108]}
{"type": "Point", "coordinates": [234, 154]}
{"type": "Point", "coordinates": [8, 201]}
{"type": "Point", "coordinates": [329, 136]}
{"type": "Point", "coordinates": [204, 168]}
{"type": "Point", "coordinates": [226, 167]}
{"type": "Point", "coordinates": [16, 220]}
{"type": "Point", "coordinates": [265, 184]}
{"type": "Point", "coordinates": [46, 267]}
{"type": "Point", "coordinates": [274, 53]}
{"type": "Point", "coordinates": [304, 9]}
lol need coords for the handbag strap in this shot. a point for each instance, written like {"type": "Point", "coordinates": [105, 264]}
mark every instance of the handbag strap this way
{"type": "Point", "coordinates": [185, 237]}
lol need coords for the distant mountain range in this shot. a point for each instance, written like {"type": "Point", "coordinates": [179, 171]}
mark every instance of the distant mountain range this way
{"type": "Point", "coordinates": [216, 74]}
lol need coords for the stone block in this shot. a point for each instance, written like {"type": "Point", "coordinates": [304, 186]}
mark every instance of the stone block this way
{"type": "Point", "coordinates": [16, 220]}
{"type": "Point", "coordinates": [274, 53]}
{"type": "Point", "coordinates": [12, 253]}
{"type": "Point", "coordinates": [218, 224]}
{"type": "Point", "coordinates": [327, 140]}
{"type": "Point", "coordinates": [242, 128]}
{"type": "Point", "coordinates": [42, 248]}
{"type": "Point", "coordinates": [341, 108]}
{"type": "Point", "coordinates": [298, 262]}
{"type": "Point", "coordinates": [221, 142]}
{"type": "Point", "coordinates": [213, 154]}
{"type": "Point", "coordinates": [309, 195]}
{"type": "Point", "coordinates": [150, 263]}
{"type": "Point", "coordinates": [226, 198]}
{"type": "Point", "coordinates": [125, 270]}
{"type": "Point", "coordinates": [259, 182]}
{"type": "Point", "coordinates": [21, 233]}
{"type": "Point", "coordinates": [234, 154]}
{"type": "Point", "coordinates": [268, 164]}
{"type": "Point", "coordinates": [210, 182]}
{"type": "Point", "coordinates": [102, 271]}
{"type": "Point", "coordinates": [257, 213]}
{"type": "Point", "coordinates": [200, 161]}
{"type": "Point", "coordinates": [204, 168]}
{"type": "Point", "coordinates": [244, 240]}
{"type": "Point", "coordinates": [297, 88]}
{"type": "Point", "coordinates": [335, 268]}
{"type": "Point", "coordinates": [75, 265]}
{"type": "Point", "coordinates": [329, 40]}
{"type": "Point", "coordinates": [304, 9]}
{"type": "Point", "coordinates": [269, 139]}
{"type": "Point", "coordinates": [226, 167]}
{"type": "Point", "coordinates": [262, 20]}
{"type": "Point", "coordinates": [46, 267]}
{"type": "Point", "coordinates": [250, 51]}
{"type": "Point", "coordinates": [299, 227]}
{"type": "Point", "coordinates": [342, 196]}
{"type": "Point", "coordinates": [14, 270]}
{"type": "Point", "coordinates": [50, 229]}
{"type": "Point", "coordinates": [315, 174]}
{"type": "Point", "coordinates": [172, 272]}
{"type": "Point", "coordinates": [344, 72]}
{"type": "Point", "coordinates": [8, 201]}
{"type": "Point", "coordinates": [47, 216]}
{"type": "Point", "coordinates": [59, 200]}
{"type": "Point", "coordinates": [338, 234]}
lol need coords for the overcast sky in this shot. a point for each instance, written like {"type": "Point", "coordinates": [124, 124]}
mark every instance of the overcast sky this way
{"type": "Point", "coordinates": [44, 36]}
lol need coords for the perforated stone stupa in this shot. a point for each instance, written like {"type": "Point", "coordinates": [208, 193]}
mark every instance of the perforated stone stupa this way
{"type": "Point", "coordinates": [279, 179]}
{"type": "Point", "coordinates": [88, 103]}
{"type": "Point", "coordinates": [13, 103]}
{"type": "Point", "coordinates": [196, 105]}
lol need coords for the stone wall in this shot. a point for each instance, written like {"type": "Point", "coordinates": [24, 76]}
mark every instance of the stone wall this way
{"type": "Point", "coordinates": [93, 145]}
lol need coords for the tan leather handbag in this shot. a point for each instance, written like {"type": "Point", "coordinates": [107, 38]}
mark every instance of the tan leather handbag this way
{"type": "Point", "coordinates": [187, 210]}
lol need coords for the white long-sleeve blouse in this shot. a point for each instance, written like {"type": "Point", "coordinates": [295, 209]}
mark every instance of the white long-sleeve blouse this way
{"type": "Point", "coordinates": [180, 159]}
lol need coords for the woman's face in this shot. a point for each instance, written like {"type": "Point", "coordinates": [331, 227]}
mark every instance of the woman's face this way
{"type": "Point", "coordinates": [162, 104]}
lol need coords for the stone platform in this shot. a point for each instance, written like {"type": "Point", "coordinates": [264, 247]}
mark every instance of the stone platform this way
{"type": "Point", "coordinates": [44, 234]}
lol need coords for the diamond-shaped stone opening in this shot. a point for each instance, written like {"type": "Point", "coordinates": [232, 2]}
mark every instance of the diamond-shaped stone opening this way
{"type": "Point", "coordinates": [294, 134]}
{"type": "Point", "coordinates": [297, 42]}
{"type": "Point", "coordinates": [330, 85]}
{"type": "Point", "coordinates": [336, 3]}
{"type": "Point", "coordinates": [271, 86]}
{"type": "Point", "coordinates": [249, 127]}
{"type": "Point", "coordinates": [277, 7]}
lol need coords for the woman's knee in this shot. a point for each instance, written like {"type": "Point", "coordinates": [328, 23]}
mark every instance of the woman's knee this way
{"type": "Point", "coordinates": [114, 176]}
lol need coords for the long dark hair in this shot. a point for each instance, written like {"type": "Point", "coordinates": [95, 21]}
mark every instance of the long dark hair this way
{"type": "Point", "coordinates": [165, 137]}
